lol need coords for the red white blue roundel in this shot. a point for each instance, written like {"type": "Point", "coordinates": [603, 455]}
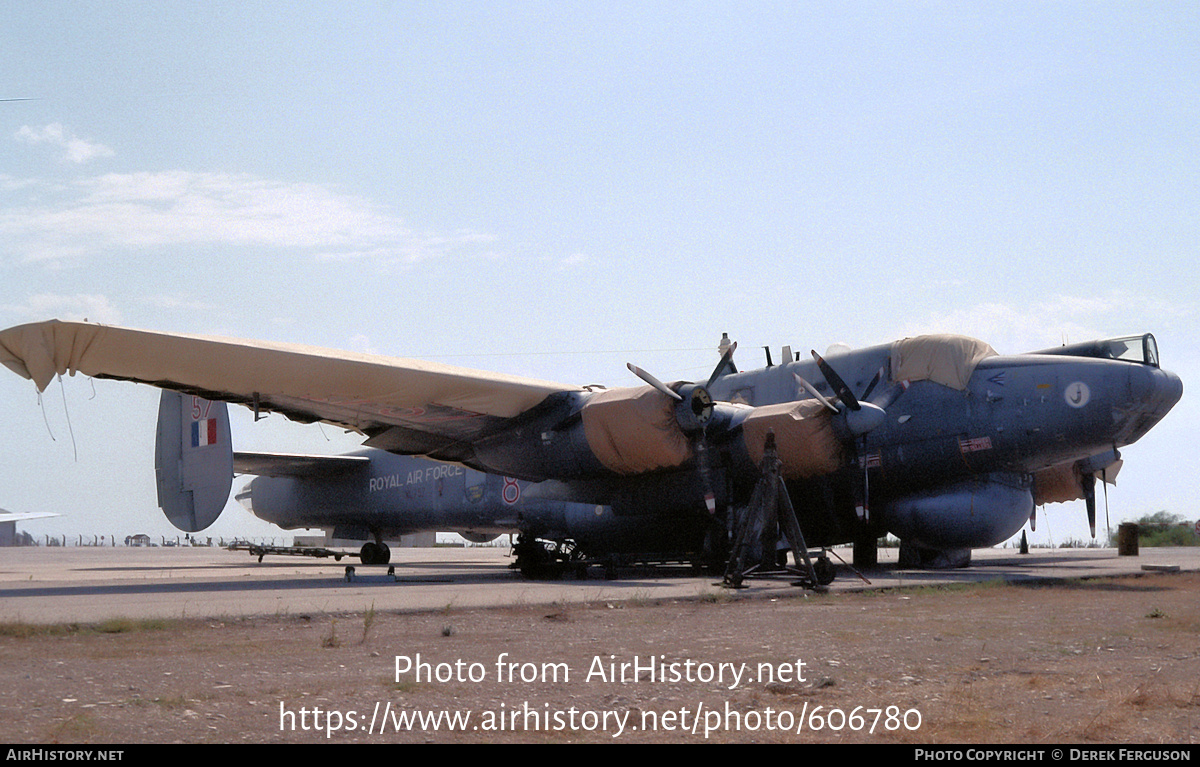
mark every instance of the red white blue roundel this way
{"type": "Point", "coordinates": [512, 491]}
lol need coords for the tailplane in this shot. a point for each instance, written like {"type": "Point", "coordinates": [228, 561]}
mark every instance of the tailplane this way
{"type": "Point", "coordinates": [193, 459]}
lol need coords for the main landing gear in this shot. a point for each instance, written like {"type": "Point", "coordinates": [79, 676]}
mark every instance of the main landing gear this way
{"type": "Point", "coordinates": [542, 559]}
{"type": "Point", "coordinates": [373, 553]}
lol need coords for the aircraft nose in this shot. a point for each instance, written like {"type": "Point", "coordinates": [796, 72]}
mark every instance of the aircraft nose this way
{"type": "Point", "coordinates": [1170, 389]}
{"type": "Point", "coordinates": [1152, 393]}
{"type": "Point", "coordinates": [1158, 389]}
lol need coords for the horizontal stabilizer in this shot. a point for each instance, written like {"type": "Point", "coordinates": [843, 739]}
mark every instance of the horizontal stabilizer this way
{"type": "Point", "coordinates": [293, 465]}
{"type": "Point", "coordinates": [22, 516]}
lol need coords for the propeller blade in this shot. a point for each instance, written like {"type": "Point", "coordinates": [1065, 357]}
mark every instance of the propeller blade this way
{"type": "Point", "coordinates": [836, 383]}
{"type": "Point", "coordinates": [657, 384]}
{"type": "Point", "coordinates": [726, 362]}
{"type": "Point", "coordinates": [701, 450]}
{"type": "Point", "coordinates": [1107, 524]}
{"type": "Point", "coordinates": [889, 396]}
{"type": "Point", "coordinates": [1089, 497]}
{"type": "Point", "coordinates": [813, 391]}
{"type": "Point", "coordinates": [874, 382]}
{"type": "Point", "coordinates": [866, 481]}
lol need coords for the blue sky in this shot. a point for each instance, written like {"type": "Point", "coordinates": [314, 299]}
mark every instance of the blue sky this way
{"type": "Point", "coordinates": [552, 189]}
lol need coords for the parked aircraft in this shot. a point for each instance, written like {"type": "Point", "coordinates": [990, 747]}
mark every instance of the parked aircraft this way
{"type": "Point", "coordinates": [938, 440]}
{"type": "Point", "coordinates": [9, 520]}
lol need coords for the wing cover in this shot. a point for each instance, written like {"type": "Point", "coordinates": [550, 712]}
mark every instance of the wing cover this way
{"type": "Point", "coordinates": [365, 393]}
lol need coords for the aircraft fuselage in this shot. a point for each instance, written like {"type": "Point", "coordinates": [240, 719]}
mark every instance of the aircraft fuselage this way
{"type": "Point", "coordinates": [947, 468]}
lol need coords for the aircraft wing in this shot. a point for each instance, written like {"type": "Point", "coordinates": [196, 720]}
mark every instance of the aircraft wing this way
{"type": "Point", "coordinates": [422, 407]}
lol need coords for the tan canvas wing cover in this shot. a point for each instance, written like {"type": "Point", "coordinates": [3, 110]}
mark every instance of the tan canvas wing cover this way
{"type": "Point", "coordinates": [633, 430]}
{"type": "Point", "coordinates": [359, 391]}
{"type": "Point", "coordinates": [946, 359]}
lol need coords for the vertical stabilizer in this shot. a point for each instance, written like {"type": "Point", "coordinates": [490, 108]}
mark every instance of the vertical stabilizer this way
{"type": "Point", "coordinates": [193, 459]}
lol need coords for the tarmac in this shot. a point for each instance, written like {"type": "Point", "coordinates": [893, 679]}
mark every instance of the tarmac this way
{"type": "Point", "coordinates": [41, 585]}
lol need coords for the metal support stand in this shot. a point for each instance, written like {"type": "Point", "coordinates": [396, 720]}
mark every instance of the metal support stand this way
{"type": "Point", "coordinates": [769, 509]}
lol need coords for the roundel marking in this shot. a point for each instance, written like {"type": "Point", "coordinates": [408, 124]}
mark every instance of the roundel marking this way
{"type": "Point", "coordinates": [1077, 394]}
{"type": "Point", "coordinates": [512, 491]}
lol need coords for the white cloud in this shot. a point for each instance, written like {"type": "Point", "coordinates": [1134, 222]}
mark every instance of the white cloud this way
{"type": "Point", "coordinates": [80, 306]}
{"type": "Point", "coordinates": [361, 343]}
{"type": "Point", "coordinates": [1055, 320]}
{"type": "Point", "coordinates": [573, 260]}
{"type": "Point", "coordinates": [177, 302]}
{"type": "Point", "coordinates": [77, 150]}
{"type": "Point", "coordinates": [130, 211]}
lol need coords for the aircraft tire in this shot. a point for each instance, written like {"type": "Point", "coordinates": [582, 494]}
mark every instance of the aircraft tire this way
{"type": "Point", "coordinates": [385, 554]}
{"type": "Point", "coordinates": [532, 559]}
{"type": "Point", "coordinates": [825, 571]}
{"type": "Point", "coordinates": [369, 553]}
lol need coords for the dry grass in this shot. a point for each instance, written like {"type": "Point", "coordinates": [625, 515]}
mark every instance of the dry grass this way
{"type": "Point", "coordinates": [997, 664]}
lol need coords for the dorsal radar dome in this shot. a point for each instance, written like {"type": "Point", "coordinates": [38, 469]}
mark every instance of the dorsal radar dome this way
{"type": "Point", "coordinates": [839, 347]}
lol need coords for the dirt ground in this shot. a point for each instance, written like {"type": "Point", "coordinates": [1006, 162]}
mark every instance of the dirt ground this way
{"type": "Point", "coordinates": [1103, 661]}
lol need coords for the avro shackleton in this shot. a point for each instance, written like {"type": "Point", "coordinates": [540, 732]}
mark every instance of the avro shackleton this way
{"type": "Point", "coordinates": [938, 440]}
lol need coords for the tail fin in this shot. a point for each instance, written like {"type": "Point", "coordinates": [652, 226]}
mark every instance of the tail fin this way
{"type": "Point", "coordinates": [193, 459]}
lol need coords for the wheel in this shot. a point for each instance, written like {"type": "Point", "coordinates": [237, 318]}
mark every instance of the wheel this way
{"type": "Point", "coordinates": [532, 558]}
{"type": "Point", "coordinates": [369, 553]}
{"type": "Point", "coordinates": [825, 571]}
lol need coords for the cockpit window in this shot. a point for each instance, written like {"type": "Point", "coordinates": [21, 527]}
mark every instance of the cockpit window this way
{"type": "Point", "coordinates": [1150, 350]}
{"type": "Point", "coordinates": [1143, 349]}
